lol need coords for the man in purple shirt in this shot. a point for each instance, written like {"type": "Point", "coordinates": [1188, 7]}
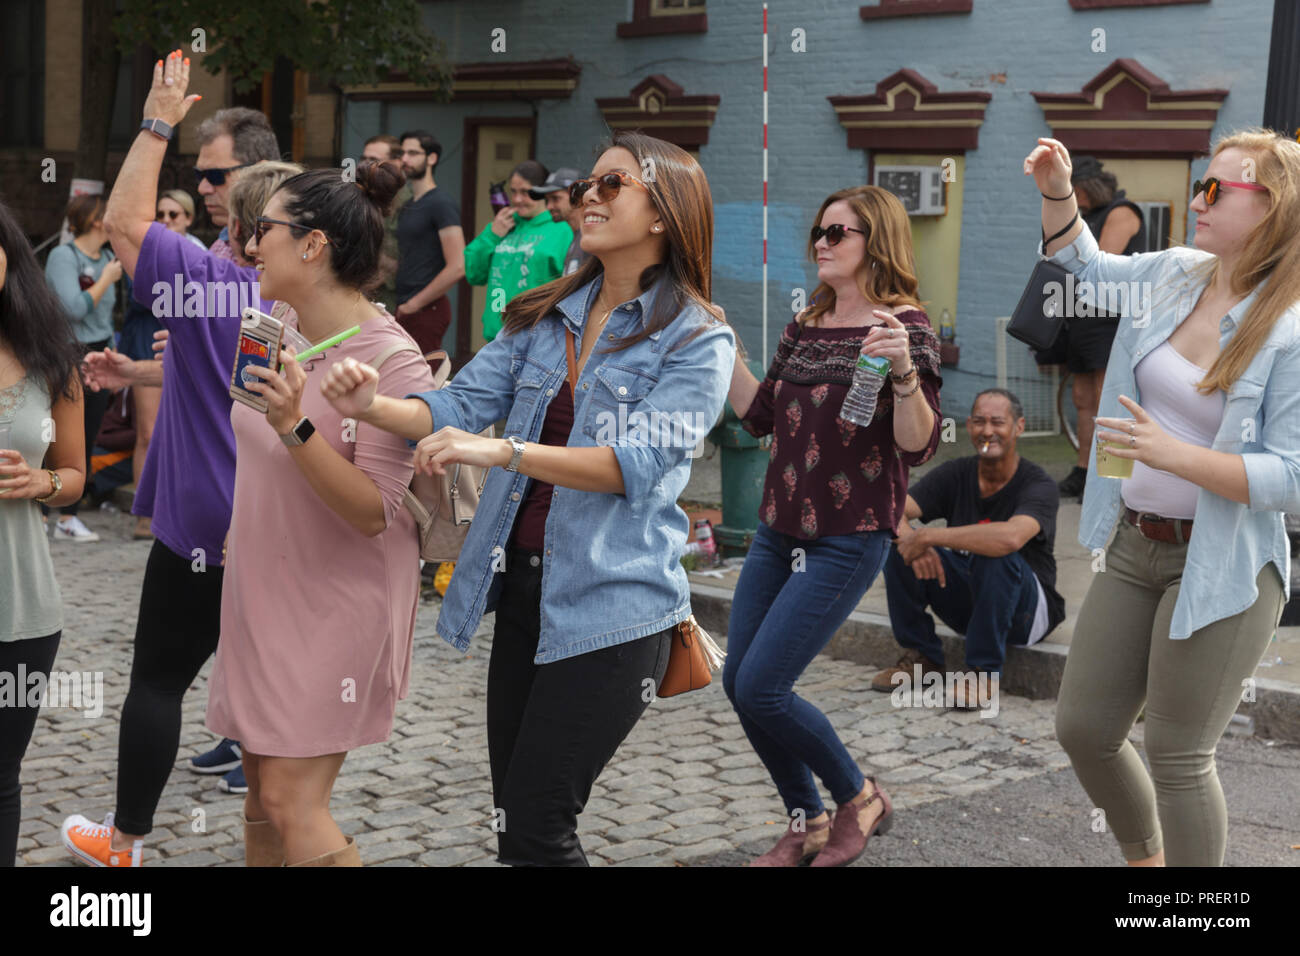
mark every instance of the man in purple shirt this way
{"type": "Point", "coordinates": [188, 479]}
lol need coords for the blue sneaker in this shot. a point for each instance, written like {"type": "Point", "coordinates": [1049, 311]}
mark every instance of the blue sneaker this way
{"type": "Point", "coordinates": [234, 781]}
{"type": "Point", "coordinates": [223, 757]}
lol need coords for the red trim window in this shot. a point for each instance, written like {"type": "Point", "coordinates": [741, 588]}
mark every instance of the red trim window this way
{"type": "Point", "coordinates": [657, 17]}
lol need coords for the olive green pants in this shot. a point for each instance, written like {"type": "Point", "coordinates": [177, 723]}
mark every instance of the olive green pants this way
{"type": "Point", "coordinates": [1121, 657]}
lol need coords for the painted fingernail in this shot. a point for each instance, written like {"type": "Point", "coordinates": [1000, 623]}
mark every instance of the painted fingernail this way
{"type": "Point", "coordinates": [187, 61]}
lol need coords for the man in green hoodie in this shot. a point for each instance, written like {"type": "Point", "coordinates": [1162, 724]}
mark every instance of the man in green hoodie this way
{"type": "Point", "coordinates": [522, 248]}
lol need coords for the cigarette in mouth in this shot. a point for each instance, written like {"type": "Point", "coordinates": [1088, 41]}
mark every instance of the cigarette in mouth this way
{"type": "Point", "coordinates": [984, 448]}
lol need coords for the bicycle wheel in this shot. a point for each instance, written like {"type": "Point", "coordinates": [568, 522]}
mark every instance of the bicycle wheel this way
{"type": "Point", "coordinates": [1066, 413]}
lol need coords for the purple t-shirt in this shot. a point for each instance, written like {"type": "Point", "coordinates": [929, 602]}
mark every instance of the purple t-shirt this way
{"type": "Point", "coordinates": [188, 480]}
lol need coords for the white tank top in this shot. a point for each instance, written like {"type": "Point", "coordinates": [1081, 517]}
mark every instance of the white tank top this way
{"type": "Point", "coordinates": [1167, 383]}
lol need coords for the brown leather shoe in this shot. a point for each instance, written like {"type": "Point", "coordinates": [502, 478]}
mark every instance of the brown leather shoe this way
{"type": "Point", "coordinates": [966, 691]}
{"type": "Point", "coordinates": [884, 681]}
{"type": "Point", "coordinates": [795, 847]}
{"type": "Point", "coordinates": [850, 831]}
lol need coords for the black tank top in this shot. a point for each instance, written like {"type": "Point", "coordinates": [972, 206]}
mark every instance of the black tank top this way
{"type": "Point", "coordinates": [1096, 219]}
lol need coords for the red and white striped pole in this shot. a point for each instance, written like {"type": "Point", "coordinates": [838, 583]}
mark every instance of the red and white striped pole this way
{"type": "Point", "coordinates": [764, 353]}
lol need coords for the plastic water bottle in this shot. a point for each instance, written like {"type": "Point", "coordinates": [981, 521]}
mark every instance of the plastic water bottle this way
{"type": "Point", "coordinates": [868, 376]}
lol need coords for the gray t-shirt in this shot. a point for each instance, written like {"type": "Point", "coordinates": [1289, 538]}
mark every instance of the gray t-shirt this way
{"type": "Point", "coordinates": [31, 604]}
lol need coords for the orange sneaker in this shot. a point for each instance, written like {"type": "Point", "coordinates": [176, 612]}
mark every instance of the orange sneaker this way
{"type": "Point", "coordinates": [92, 842]}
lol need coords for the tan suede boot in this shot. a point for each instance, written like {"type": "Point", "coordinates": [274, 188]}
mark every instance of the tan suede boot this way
{"type": "Point", "coordinates": [262, 844]}
{"type": "Point", "coordinates": [348, 856]}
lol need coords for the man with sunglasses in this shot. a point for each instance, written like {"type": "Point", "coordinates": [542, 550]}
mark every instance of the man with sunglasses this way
{"type": "Point", "coordinates": [230, 141]}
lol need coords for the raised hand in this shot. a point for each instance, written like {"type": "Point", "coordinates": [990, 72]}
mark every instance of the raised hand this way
{"type": "Point", "coordinates": [1049, 164]}
{"type": "Point", "coordinates": [167, 100]}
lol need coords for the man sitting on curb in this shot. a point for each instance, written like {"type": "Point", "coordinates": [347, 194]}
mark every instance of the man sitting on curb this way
{"type": "Point", "coordinates": [990, 574]}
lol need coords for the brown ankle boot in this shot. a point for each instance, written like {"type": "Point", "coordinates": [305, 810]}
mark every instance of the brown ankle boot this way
{"type": "Point", "coordinates": [851, 831]}
{"type": "Point", "coordinates": [796, 846]}
{"type": "Point", "coordinates": [348, 856]}
{"type": "Point", "coordinates": [262, 845]}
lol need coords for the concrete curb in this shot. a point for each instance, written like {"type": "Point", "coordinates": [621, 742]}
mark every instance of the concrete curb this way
{"type": "Point", "coordinates": [1033, 672]}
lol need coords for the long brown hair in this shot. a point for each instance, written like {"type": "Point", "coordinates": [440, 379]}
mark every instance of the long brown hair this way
{"type": "Point", "coordinates": [888, 270]}
{"type": "Point", "coordinates": [1271, 254]}
{"type": "Point", "coordinates": [680, 194]}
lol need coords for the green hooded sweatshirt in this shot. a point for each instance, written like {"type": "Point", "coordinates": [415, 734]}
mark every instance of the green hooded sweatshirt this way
{"type": "Point", "coordinates": [529, 255]}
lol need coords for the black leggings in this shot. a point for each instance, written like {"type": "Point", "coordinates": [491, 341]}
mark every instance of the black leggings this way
{"type": "Point", "coordinates": [553, 727]}
{"type": "Point", "coordinates": [180, 619]}
{"type": "Point", "coordinates": [31, 656]}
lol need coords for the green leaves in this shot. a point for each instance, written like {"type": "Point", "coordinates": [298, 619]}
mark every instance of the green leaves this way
{"type": "Point", "coordinates": [344, 42]}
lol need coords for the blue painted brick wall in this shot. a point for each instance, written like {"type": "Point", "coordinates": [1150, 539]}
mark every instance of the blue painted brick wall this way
{"type": "Point", "coordinates": [1040, 45]}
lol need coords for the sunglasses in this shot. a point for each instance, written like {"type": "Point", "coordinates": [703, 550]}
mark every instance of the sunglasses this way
{"type": "Point", "coordinates": [1211, 188]}
{"type": "Point", "coordinates": [169, 214]}
{"type": "Point", "coordinates": [607, 186]}
{"type": "Point", "coordinates": [217, 177]}
{"type": "Point", "coordinates": [263, 224]}
{"type": "Point", "coordinates": [833, 233]}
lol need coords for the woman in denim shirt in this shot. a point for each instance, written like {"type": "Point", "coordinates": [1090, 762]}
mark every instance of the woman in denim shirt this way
{"type": "Point", "coordinates": [1196, 576]}
{"type": "Point", "coordinates": [577, 537]}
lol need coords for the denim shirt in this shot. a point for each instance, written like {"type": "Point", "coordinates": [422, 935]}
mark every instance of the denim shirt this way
{"type": "Point", "coordinates": [1261, 422]}
{"type": "Point", "coordinates": [611, 572]}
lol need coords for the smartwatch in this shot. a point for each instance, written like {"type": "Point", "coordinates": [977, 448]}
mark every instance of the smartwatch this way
{"type": "Point", "coordinates": [158, 128]}
{"type": "Point", "coordinates": [299, 434]}
{"type": "Point", "coordinates": [518, 446]}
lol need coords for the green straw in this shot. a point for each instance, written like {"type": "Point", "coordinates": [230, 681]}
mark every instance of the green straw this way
{"type": "Point", "coordinates": [328, 343]}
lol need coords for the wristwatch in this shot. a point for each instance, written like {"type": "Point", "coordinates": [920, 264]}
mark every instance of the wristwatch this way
{"type": "Point", "coordinates": [299, 434]}
{"type": "Point", "coordinates": [158, 128]}
{"type": "Point", "coordinates": [56, 483]}
{"type": "Point", "coordinates": [518, 446]}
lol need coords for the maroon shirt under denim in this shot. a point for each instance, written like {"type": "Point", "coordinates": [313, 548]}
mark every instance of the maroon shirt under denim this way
{"type": "Point", "coordinates": [826, 476]}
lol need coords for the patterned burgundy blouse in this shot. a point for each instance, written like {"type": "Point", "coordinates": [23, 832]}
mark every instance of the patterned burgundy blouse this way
{"type": "Point", "coordinates": [826, 476]}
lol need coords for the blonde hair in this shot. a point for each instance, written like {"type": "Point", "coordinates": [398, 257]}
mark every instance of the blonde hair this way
{"type": "Point", "coordinates": [181, 198]}
{"type": "Point", "coordinates": [249, 194]}
{"type": "Point", "coordinates": [888, 271]}
{"type": "Point", "coordinates": [1270, 256]}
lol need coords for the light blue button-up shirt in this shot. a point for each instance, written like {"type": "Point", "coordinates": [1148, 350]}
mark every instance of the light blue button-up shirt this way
{"type": "Point", "coordinates": [611, 572]}
{"type": "Point", "coordinates": [1261, 422]}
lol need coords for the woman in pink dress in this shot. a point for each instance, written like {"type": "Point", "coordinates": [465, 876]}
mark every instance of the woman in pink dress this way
{"type": "Point", "coordinates": [322, 568]}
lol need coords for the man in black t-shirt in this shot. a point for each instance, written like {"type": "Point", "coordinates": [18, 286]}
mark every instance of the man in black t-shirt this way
{"type": "Point", "coordinates": [990, 574]}
{"type": "Point", "coordinates": [430, 246]}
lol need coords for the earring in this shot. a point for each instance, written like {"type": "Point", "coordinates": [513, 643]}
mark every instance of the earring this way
{"type": "Point", "coordinates": [656, 229]}
{"type": "Point", "coordinates": [304, 257]}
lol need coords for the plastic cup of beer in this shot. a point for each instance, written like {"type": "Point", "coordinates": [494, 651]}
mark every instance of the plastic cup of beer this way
{"type": "Point", "coordinates": [1112, 466]}
{"type": "Point", "coordinates": [5, 435]}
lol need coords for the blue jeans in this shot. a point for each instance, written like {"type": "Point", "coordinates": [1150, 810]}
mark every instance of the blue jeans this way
{"type": "Point", "coordinates": [990, 600]}
{"type": "Point", "coordinates": [781, 618]}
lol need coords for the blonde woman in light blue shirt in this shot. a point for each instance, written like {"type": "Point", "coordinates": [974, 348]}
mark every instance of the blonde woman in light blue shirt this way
{"type": "Point", "coordinates": [1202, 393]}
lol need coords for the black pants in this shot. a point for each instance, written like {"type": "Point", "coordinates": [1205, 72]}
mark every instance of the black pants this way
{"type": "Point", "coordinates": [553, 727]}
{"type": "Point", "coordinates": [34, 655]}
{"type": "Point", "coordinates": [180, 619]}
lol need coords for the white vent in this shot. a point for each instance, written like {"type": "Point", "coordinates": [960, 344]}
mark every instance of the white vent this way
{"type": "Point", "coordinates": [1036, 387]}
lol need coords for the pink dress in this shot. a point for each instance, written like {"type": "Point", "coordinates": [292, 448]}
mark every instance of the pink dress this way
{"type": "Point", "coordinates": [316, 618]}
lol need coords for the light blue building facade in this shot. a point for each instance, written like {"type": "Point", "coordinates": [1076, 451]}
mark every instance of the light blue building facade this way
{"type": "Point", "coordinates": [1187, 74]}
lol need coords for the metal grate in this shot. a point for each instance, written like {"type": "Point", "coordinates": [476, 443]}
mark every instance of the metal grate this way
{"type": "Point", "coordinates": [1035, 387]}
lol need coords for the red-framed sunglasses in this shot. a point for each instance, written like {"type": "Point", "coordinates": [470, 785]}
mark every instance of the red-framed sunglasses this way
{"type": "Point", "coordinates": [833, 233]}
{"type": "Point", "coordinates": [607, 186]}
{"type": "Point", "coordinates": [1211, 188]}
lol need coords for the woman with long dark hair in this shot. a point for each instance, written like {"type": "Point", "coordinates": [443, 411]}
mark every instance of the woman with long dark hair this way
{"type": "Point", "coordinates": [578, 534]}
{"type": "Point", "coordinates": [40, 399]}
{"type": "Point", "coordinates": [833, 498]}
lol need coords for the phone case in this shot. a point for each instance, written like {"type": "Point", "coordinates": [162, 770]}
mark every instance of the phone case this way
{"type": "Point", "coordinates": [260, 337]}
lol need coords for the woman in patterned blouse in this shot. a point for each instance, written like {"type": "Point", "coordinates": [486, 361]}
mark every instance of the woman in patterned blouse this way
{"type": "Point", "coordinates": [832, 499]}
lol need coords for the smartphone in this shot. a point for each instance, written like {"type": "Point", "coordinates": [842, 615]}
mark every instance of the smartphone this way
{"type": "Point", "coordinates": [497, 197]}
{"type": "Point", "coordinates": [260, 337]}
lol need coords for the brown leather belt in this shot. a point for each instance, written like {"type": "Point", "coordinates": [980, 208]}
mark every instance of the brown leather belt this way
{"type": "Point", "coordinates": [1156, 528]}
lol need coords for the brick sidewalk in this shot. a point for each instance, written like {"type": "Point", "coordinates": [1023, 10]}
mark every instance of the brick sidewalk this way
{"type": "Point", "coordinates": [685, 788]}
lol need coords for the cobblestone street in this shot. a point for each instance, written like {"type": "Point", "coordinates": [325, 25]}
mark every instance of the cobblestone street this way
{"type": "Point", "coordinates": [685, 789]}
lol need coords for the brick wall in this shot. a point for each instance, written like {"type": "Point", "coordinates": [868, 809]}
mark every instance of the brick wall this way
{"type": "Point", "coordinates": [1007, 47]}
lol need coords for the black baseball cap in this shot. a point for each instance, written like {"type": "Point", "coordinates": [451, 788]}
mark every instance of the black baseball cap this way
{"type": "Point", "coordinates": [560, 179]}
